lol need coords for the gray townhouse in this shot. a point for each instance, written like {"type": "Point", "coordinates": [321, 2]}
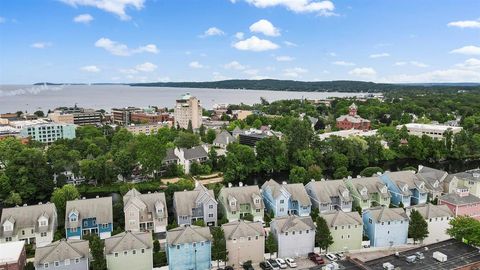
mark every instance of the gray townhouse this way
{"type": "Point", "coordinates": [197, 204]}
{"type": "Point", "coordinates": [329, 195]}
{"type": "Point", "coordinates": [64, 254]}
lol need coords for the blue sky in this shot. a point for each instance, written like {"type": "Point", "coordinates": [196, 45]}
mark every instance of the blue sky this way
{"type": "Point", "coordinates": [204, 40]}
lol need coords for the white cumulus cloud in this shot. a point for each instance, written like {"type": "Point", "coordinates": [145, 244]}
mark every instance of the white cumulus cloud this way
{"type": "Point", "coordinates": [239, 35]}
{"type": "Point", "coordinates": [195, 64]}
{"type": "Point", "coordinates": [120, 49]}
{"type": "Point", "coordinates": [379, 55]}
{"type": "Point", "coordinates": [92, 69]}
{"type": "Point", "coordinates": [290, 44]}
{"type": "Point", "coordinates": [234, 65]}
{"type": "Point", "coordinates": [212, 31]}
{"type": "Point", "coordinates": [83, 18]}
{"type": "Point", "coordinates": [343, 63]}
{"type": "Point", "coordinates": [265, 27]}
{"type": "Point", "coordinates": [467, 50]}
{"type": "Point", "coordinates": [117, 7]}
{"type": "Point", "coordinates": [146, 67]}
{"type": "Point", "coordinates": [294, 72]}
{"type": "Point", "coordinates": [465, 24]}
{"type": "Point", "coordinates": [472, 63]}
{"type": "Point", "coordinates": [41, 45]}
{"type": "Point", "coordinates": [284, 58]}
{"type": "Point", "coordinates": [255, 44]}
{"type": "Point", "coordinates": [363, 72]}
{"type": "Point", "coordinates": [298, 6]}
{"type": "Point", "coordinates": [412, 63]}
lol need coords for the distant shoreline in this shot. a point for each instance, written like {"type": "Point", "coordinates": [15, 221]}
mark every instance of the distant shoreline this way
{"type": "Point", "coordinates": [302, 86]}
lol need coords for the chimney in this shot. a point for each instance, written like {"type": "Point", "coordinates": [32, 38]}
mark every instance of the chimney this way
{"type": "Point", "coordinates": [284, 182]}
{"type": "Point", "coordinates": [149, 192]}
{"type": "Point", "coordinates": [323, 179]}
{"type": "Point", "coordinates": [379, 173]}
{"type": "Point", "coordinates": [229, 184]}
{"type": "Point", "coordinates": [40, 203]}
{"type": "Point", "coordinates": [97, 196]}
{"type": "Point", "coordinates": [359, 176]}
{"type": "Point", "coordinates": [240, 184]}
{"type": "Point", "coordinates": [24, 204]}
{"type": "Point", "coordinates": [83, 198]}
{"type": "Point", "coordinates": [349, 177]}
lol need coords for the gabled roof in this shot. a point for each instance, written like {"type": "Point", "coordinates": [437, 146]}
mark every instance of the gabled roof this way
{"type": "Point", "coordinates": [339, 218]}
{"type": "Point", "coordinates": [61, 251]}
{"type": "Point", "coordinates": [224, 138]}
{"type": "Point", "coordinates": [185, 201]}
{"type": "Point", "coordinates": [99, 208]}
{"type": "Point", "coordinates": [383, 214]}
{"type": "Point", "coordinates": [194, 153]}
{"type": "Point", "coordinates": [470, 175]}
{"type": "Point", "coordinates": [352, 119]}
{"type": "Point", "coordinates": [372, 184]}
{"type": "Point", "coordinates": [142, 201]}
{"type": "Point", "coordinates": [275, 188]}
{"type": "Point", "coordinates": [298, 193]}
{"type": "Point", "coordinates": [27, 216]}
{"type": "Point", "coordinates": [408, 178]}
{"type": "Point", "coordinates": [128, 241]}
{"type": "Point", "coordinates": [242, 228]}
{"type": "Point", "coordinates": [454, 198]}
{"type": "Point", "coordinates": [325, 190]}
{"type": "Point", "coordinates": [10, 252]}
{"type": "Point", "coordinates": [188, 234]}
{"type": "Point", "coordinates": [293, 223]}
{"type": "Point", "coordinates": [432, 211]}
{"type": "Point", "coordinates": [433, 178]}
{"type": "Point", "coordinates": [242, 195]}
{"type": "Point", "coordinates": [170, 155]}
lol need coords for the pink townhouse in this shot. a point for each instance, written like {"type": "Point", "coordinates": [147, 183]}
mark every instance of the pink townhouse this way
{"type": "Point", "coordinates": [462, 203]}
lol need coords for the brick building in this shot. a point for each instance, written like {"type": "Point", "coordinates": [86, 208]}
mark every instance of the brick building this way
{"type": "Point", "coordinates": [352, 120]}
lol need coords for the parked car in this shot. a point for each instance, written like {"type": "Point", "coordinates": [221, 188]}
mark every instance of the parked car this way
{"type": "Point", "coordinates": [247, 265]}
{"type": "Point", "coordinates": [229, 268]}
{"type": "Point", "coordinates": [317, 259]}
{"type": "Point", "coordinates": [281, 263]}
{"type": "Point", "coordinates": [331, 257]}
{"type": "Point", "coordinates": [290, 262]}
{"type": "Point", "coordinates": [273, 264]}
{"type": "Point", "coordinates": [420, 255]}
{"type": "Point", "coordinates": [265, 266]}
{"type": "Point", "coordinates": [340, 255]}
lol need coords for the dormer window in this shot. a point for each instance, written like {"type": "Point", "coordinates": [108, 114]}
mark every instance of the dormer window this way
{"type": "Point", "coordinates": [73, 218]}
{"type": "Point", "coordinates": [7, 227]}
{"type": "Point", "coordinates": [257, 201]}
{"type": "Point", "coordinates": [405, 188]}
{"type": "Point", "coordinates": [232, 203]}
{"type": "Point", "coordinates": [364, 191]}
{"type": "Point", "coordinates": [384, 189]}
{"type": "Point", "coordinates": [43, 223]}
{"type": "Point", "coordinates": [435, 184]}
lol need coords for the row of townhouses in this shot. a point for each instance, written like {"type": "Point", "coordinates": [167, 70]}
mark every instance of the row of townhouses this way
{"type": "Point", "coordinates": [291, 205]}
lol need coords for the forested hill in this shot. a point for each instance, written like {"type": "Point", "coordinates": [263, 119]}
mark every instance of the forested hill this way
{"type": "Point", "coordinates": [321, 86]}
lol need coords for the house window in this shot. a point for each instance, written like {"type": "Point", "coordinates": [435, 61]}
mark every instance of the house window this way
{"type": "Point", "coordinates": [293, 233]}
{"type": "Point", "coordinates": [307, 231]}
{"type": "Point", "coordinates": [67, 262]}
{"type": "Point", "coordinates": [73, 218]}
{"type": "Point", "coordinates": [383, 223]}
{"type": "Point", "coordinates": [125, 253]}
{"type": "Point", "coordinates": [282, 201]}
{"type": "Point", "coordinates": [389, 223]}
{"type": "Point", "coordinates": [282, 209]}
{"type": "Point", "coordinates": [258, 210]}
{"type": "Point", "coordinates": [23, 232]}
{"type": "Point", "coordinates": [210, 206]}
{"type": "Point", "coordinates": [370, 220]}
{"type": "Point", "coordinates": [134, 252]}
{"type": "Point", "coordinates": [178, 246]}
{"type": "Point", "coordinates": [249, 238]}
{"type": "Point", "coordinates": [286, 233]}
{"type": "Point", "coordinates": [143, 250]}
{"type": "Point", "coordinates": [388, 232]}
{"type": "Point", "coordinates": [336, 227]}
{"type": "Point", "coordinates": [256, 237]}
{"type": "Point", "coordinates": [45, 265]}
{"type": "Point", "coordinates": [8, 239]}
{"type": "Point", "coordinates": [77, 260]}
{"type": "Point", "coordinates": [234, 212]}
{"type": "Point", "coordinates": [43, 234]}
{"type": "Point", "coordinates": [210, 215]}
{"type": "Point", "coordinates": [299, 232]}
{"type": "Point", "coordinates": [57, 264]}
{"type": "Point", "coordinates": [116, 254]}
{"type": "Point", "coordinates": [43, 223]}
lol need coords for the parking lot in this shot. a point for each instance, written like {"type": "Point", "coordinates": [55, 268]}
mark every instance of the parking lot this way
{"type": "Point", "coordinates": [458, 254]}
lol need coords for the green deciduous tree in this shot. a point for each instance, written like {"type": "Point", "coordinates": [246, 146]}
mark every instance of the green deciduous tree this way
{"type": "Point", "coordinates": [466, 229]}
{"type": "Point", "coordinates": [298, 175]}
{"type": "Point", "coordinates": [187, 140]}
{"type": "Point", "coordinates": [271, 154]}
{"type": "Point", "coordinates": [240, 162]}
{"type": "Point", "coordinates": [219, 246]}
{"type": "Point", "coordinates": [96, 249]}
{"type": "Point", "coordinates": [210, 136]}
{"type": "Point", "coordinates": [323, 236]}
{"type": "Point", "coordinates": [417, 227]}
{"type": "Point", "coordinates": [60, 196]}
{"type": "Point", "coordinates": [271, 245]}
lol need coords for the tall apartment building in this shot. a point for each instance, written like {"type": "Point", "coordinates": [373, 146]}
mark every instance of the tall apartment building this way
{"type": "Point", "coordinates": [187, 109]}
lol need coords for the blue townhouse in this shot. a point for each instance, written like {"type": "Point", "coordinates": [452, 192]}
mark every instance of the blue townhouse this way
{"type": "Point", "coordinates": [89, 216]}
{"type": "Point", "coordinates": [189, 247]}
{"type": "Point", "coordinates": [385, 227]}
{"type": "Point", "coordinates": [286, 199]}
{"type": "Point", "coordinates": [405, 187]}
